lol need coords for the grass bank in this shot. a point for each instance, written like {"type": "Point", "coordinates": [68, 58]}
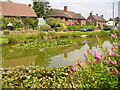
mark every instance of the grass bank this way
{"type": "Point", "coordinates": [18, 38]}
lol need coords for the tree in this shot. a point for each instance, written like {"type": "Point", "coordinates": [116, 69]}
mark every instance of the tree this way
{"type": "Point", "coordinates": [9, 1]}
{"type": "Point", "coordinates": [117, 19]}
{"type": "Point", "coordinates": [41, 7]}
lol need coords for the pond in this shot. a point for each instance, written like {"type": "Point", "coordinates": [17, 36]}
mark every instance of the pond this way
{"type": "Point", "coordinates": [50, 57]}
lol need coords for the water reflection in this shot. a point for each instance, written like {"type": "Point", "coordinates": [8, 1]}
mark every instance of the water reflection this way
{"type": "Point", "coordinates": [50, 57]}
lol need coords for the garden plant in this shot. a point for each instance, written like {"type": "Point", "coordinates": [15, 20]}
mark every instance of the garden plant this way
{"type": "Point", "coordinates": [101, 70]}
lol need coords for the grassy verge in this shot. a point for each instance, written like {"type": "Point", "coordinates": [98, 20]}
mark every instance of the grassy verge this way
{"type": "Point", "coordinates": [17, 38]}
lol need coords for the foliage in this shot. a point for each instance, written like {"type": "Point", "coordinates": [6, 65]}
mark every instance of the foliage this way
{"type": "Point", "coordinates": [56, 24]}
{"type": "Point", "coordinates": [117, 19]}
{"type": "Point", "coordinates": [43, 43]}
{"type": "Point", "coordinates": [15, 23]}
{"type": "Point", "coordinates": [36, 77]}
{"type": "Point", "coordinates": [45, 27]}
{"type": "Point", "coordinates": [12, 40]}
{"type": "Point", "coordinates": [30, 23]}
{"type": "Point", "coordinates": [101, 69]}
{"type": "Point", "coordinates": [41, 7]}
{"type": "Point", "coordinates": [52, 22]}
{"type": "Point", "coordinates": [19, 29]}
{"type": "Point", "coordinates": [113, 31]}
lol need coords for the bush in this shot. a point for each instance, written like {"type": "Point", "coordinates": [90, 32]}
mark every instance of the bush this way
{"type": "Point", "coordinates": [45, 27]}
{"type": "Point", "coordinates": [113, 31]}
{"type": "Point", "coordinates": [15, 23]}
{"type": "Point", "coordinates": [37, 28]}
{"type": "Point", "coordinates": [12, 40]}
{"type": "Point", "coordinates": [19, 29]}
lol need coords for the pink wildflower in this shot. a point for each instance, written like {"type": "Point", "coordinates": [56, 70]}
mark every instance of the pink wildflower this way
{"type": "Point", "coordinates": [108, 70]}
{"type": "Point", "coordinates": [97, 55]}
{"type": "Point", "coordinates": [115, 71]}
{"type": "Point", "coordinates": [86, 54]}
{"type": "Point", "coordinates": [107, 62]}
{"type": "Point", "coordinates": [74, 68]}
{"type": "Point", "coordinates": [113, 62]}
{"type": "Point", "coordinates": [112, 35]}
{"type": "Point", "coordinates": [89, 61]}
{"type": "Point", "coordinates": [95, 61]}
{"type": "Point", "coordinates": [111, 53]}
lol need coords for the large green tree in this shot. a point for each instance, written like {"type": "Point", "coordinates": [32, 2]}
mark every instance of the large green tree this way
{"type": "Point", "coordinates": [41, 7]}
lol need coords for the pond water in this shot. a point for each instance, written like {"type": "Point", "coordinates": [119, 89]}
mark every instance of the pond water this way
{"type": "Point", "coordinates": [50, 57]}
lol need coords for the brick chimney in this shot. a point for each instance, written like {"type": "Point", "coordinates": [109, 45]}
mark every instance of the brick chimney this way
{"type": "Point", "coordinates": [96, 14]}
{"type": "Point", "coordinates": [65, 8]}
{"type": "Point", "coordinates": [29, 5]}
{"type": "Point", "coordinates": [90, 14]}
{"type": "Point", "coordinates": [101, 15]}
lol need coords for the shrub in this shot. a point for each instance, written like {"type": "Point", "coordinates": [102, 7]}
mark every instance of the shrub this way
{"type": "Point", "coordinates": [37, 28]}
{"type": "Point", "coordinates": [15, 23]}
{"type": "Point", "coordinates": [12, 40]}
{"type": "Point", "coordinates": [19, 29]}
{"type": "Point", "coordinates": [113, 31]}
{"type": "Point", "coordinates": [45, 27]}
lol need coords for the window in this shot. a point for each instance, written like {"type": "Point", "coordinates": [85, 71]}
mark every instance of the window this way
{"type": "Point", "coordinates": [66, 19]}
{"type": "Point", "coordinates": [61, 17]}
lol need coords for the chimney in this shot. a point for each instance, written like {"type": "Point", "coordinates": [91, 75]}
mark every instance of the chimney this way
{"type": "Point", "coordinates": [96, 14]}
{"type": "Point", "coordinates": [65, 8]}
{"type": "Point", "coordinates": [90, 13]}
{"type": "Point", "coordinates": [29, 5]}
{"type": "Point", "coordinates": [101, 15]}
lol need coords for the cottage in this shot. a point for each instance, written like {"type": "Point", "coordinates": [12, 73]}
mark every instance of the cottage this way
{"type": "Point", "coordinates": [69, 17]}
{"type": "Point", "coordinates": [111, 22]}
{"type": "Point", "coordinates": [96, 20]}
{"type": "Point", "coordinates": [19, 11]}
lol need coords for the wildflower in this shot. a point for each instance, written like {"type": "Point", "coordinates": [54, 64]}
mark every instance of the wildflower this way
{"type": "Point", "coordinates": [88, 51]}
{"type": "Point", "coordinates": [71, 73]}
{"type": "Point", "coordinates": [72, 83]}
{"type": "Point", "coordinates": [97, 55]}
{"type": "Point", "coordinates": [86, 54]}
{"type": "Point", "coordinates": [115, 71]}
{"type": "Point", "coordinates": [89, 61]}
{"type": "Point", "coordinates": [95, 61]}
{"type": "Point", "coordinates": [112, 35]}
{"type": "Point", "coordinates": [74, 68]}
{"type": "Point", "coordinates": [107, 62]}
{"type": "Point", "coordinates": [113, 62]}
{"type": "Point", "coordinates": [111, 53]}
{"type": "Point", "coordinates": [80, 63]}
{"type": "Point", "coordinates": [108, 70]}
{"type": "Point", "coordinates": [76, 74]}
{"type": "Point", "coordinates": [115, 46]}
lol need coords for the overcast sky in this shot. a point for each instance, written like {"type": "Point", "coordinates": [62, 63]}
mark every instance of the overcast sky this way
{"type": "Point", "coordinates": [100, 7]}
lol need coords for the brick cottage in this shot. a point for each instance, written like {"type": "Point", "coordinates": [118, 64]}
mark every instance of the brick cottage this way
{"type": "Point", "coordinates": [96, 20]}
{"type": "Point", "coordinates": [69, 17]}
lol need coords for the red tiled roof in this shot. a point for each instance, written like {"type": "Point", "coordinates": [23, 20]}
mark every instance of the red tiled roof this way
{"type": "Point", "coordinates": [68, 14]}
{"type": "Point", "coordinates": [15, 9]}
{"type": "Point", "coordinates": [98, 18]}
